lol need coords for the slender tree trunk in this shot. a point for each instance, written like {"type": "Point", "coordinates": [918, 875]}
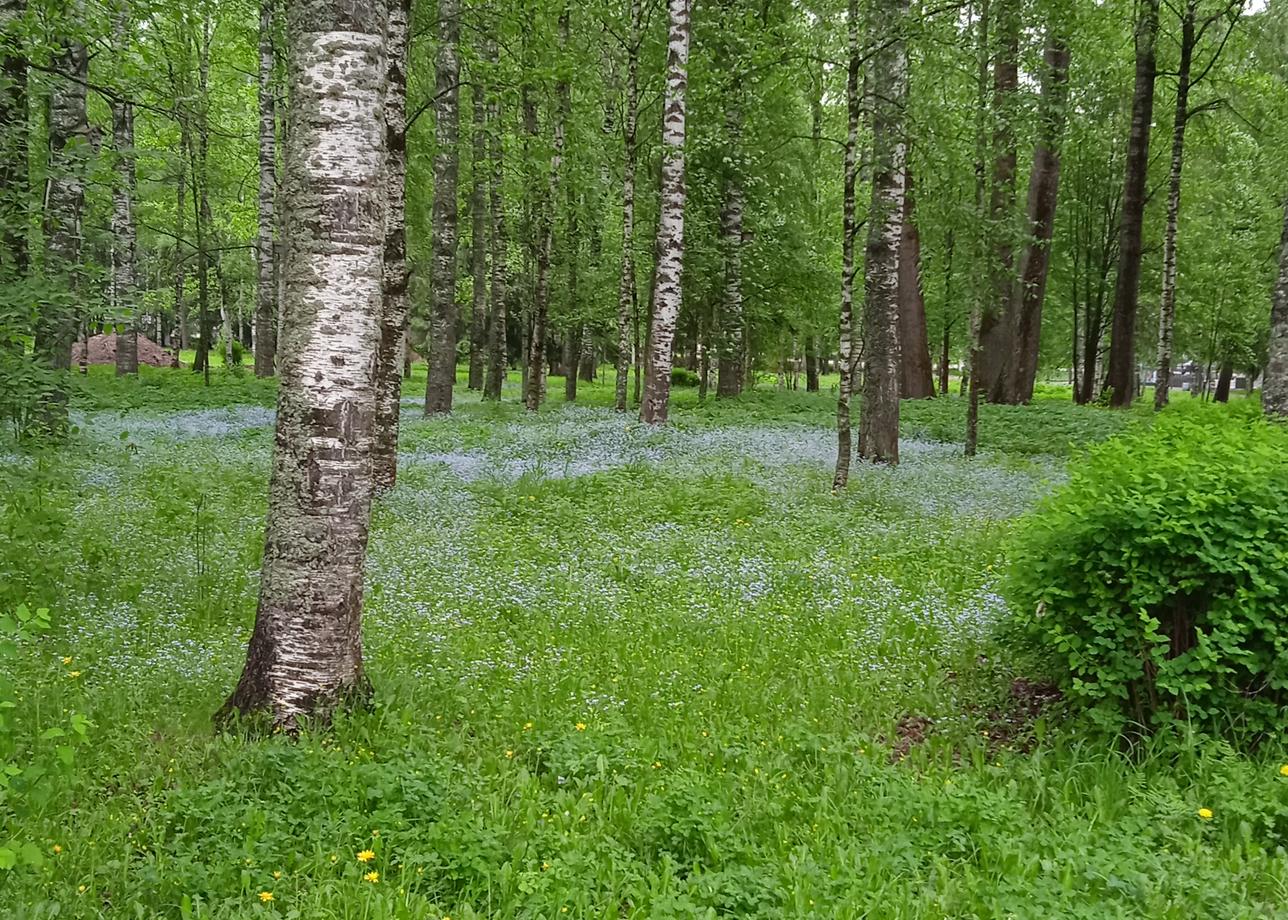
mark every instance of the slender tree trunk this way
{"type": "Point", "coordinates": [123, 241]}
{"type": "Point", "coordinates": [729, 382]}
{"type": "Point", "coordinates": [1222, 392]}
{"type": "Point", "coordinates": [1167, 303]}
{"type": "Point", "coordinates": [879, 416]}
{"type": "Point", "coordinates": [395, 301]}
{"type": "Point", "coordinates": [535, 390]}
{"type": "Point", "coordinates": [916, 377]}
{"type": "Point", "coordinates": [478, 235]}
{"type": "Point", "coordinates": [627, 308]}
{"type": "Point", "coordinates": [266, 273]}
{"type": "Point", "coordinates": [180, 268]}
{"type": "Point", "coordinates": [1044, 184]}
{"type": "Point", "coordinates": [15, 183]}
{"type": "Point", "coordinates": [572, 337]}
{"type": "Point", "coordinates": [811, 364]}
{"type": "Point", "coordinates": [497, 351]}
{"type": "Point", "coordinates": [974, 348]}
{"type": "Point", "coordinates": [849, 230]}
{"type": "Point", "coordinates": [1122, 345]}
{"type": "Point", "coordinates": [997, 322]}
{"type": "Point", "coordinates": [1274, 387]}
{"type": "Point", "coordinates": [305, 655]}
{"type": "Point", "coordinates": [69, 145]}
{"type": "Point", "coordinates": [667, 274]}
{"type": "Point", "coordinates": [442, 328]}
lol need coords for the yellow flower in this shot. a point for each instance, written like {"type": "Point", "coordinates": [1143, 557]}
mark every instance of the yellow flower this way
{"type": "Point", "coordinates": [334, 857]}
{"type": "Point", "coordinates": [266, 896]}
{"type": "Point", "coordinates": [1283, 771]}
{"type": "Point", "coordinates": [657, 765]}
{"type": "Point", "coordinates": [366, 856]}
{"type": "Point", "coordinates": [73, 674]}
{"type": "Point", "coordinates": [277, 874]}
{"type": "Point", "coordinates": [1205, 814]}
{"type": "Point", "coordinates": [545, 866]}
{"type": "Point", "coordinates": [57, 849]}
{"type": "Point", "coordinates": [80, 889]}
{"type": "Point", "coordinates": [67, 659]}
{"type": "Point", "coordinates": [373, 876]}
{"type": "Point", "coordinates": [509, 753]}
{"type": "Point", "coordinates": [527, 726]}
{"type": "Point", "coordinates": [580, 726]}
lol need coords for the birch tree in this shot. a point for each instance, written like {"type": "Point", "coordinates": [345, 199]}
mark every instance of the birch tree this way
{"type": "Point", "coordinates": [497, 358]}
{"type": "Point", "coordinates": [305, 655]}
{"type": "Point", "coordinates": [879, 417]}
{"type": "Point", "coordinates": [1274, 395]}
{"type": "Point", "coordinates": [849, 230]}
{"type": "Point", "coordinates": [265, 245]}
{"type": "Point", "coordinates": [667, 274]}
{"type": "Point", "coordinates": [626, 297]}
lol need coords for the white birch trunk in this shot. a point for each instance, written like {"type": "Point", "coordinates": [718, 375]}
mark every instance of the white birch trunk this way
{"type": "Point", "coordinates": [305, 655]}
{"type": "Point", "coordinates": [266, 275]}
{"type": "Point", "coordinates": [626, 292]}
{"type": "Point", "coordinates": [442, 326]}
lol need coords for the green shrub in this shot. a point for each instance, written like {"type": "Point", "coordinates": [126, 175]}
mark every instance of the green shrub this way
{"type": "Point", "coordinates": [683, 377]}
{"type": "Point", "coordinates": [1157, 578]}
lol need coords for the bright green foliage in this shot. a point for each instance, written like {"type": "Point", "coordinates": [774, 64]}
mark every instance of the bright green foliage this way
{"type": "Point", "coordinates": [1157, 577]}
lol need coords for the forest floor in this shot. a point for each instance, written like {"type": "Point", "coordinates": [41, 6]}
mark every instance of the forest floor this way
{"type": "Point", "coordinates": [619, 672]}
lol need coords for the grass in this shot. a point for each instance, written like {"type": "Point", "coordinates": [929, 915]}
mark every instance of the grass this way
{"type": "Point", "coordinates": [619, 673]}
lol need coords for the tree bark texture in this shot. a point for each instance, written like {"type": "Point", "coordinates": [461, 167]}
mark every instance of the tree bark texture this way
{"type": "Point", "coordinates": [478, 236]}
{"type": "Point", "coordinates": [395, 300]}
{"type": "Point", "coordinates": [879, 416]}
{"type": "Point", "coordinates": [626, 292]}
{"type": "Point", "coordinates": [265, 245]}
{"type": "Point", "coordinates": [730, 370]}
{"type": "Point", "coordinates": [1167, 302]}
{"type": "Point", "coordinates": [442, 325]}
{"type": "Point", "coordinates": [497, 358]}
{"type": "Point", "coordinates": [667, 275]}
{"type": "Point", "coordinates": [1044, 185]}
{"type": "Point", "coordinates": [305, 654]}
{"type": "Point", "coordinates": [849, 230]}
{"type": "Point", "coordinates": [1121, 378]}
{"type": "Point", "coordinates": [1274, 391]}
{"type": "Point", "coordinates": [916, 376]}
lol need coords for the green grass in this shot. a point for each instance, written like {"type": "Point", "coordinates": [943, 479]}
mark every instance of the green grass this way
{"type": "Point", "coordinates": [619, 673]}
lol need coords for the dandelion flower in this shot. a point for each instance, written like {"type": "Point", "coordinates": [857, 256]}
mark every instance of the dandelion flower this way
{"type": "Point", "coordinates": [277, 874]}
{"type": "Point", "coordinates": [373, 876]}
{"type": "Point", "coordinates": [1205, 814]}
{"type": "Point", "coordinates": [67, 659]}
{"type": "Point", "coordinates": [366, 856]}
{"type": "Point", "coordinates": [527, 726]}
{"type": "Point", "coordinates": [266, 896]}
{"type": "Point", "coordinates": [80, 889]}
{"type": "Point", "coordinates": [73, 674]}
{"type": "Point", "coordinates": [580, 726]}
{"type": "Point", "coordinates": [509, 753]}
{"type": "Point", "coordinates": [57, 849]}
{"type": "Point", "coordinates": [1283, 771]}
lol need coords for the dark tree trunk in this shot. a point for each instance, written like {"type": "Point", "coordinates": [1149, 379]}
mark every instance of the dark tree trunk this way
{"type": "Point", "coordinates": [1274, 394]}
{"type": "Point", "coordinates": [1222, 392]}
{"type": "Point", "coordinates": [395, 303]}
{"type": "Point", "coordinates": [305, 655]}
{"type": "Point", "coordinates": [266, 277]}
{"type": "Point", "coordinates": [497, 349]}
{"type": "Point", "coordinates": [997, 322]}
{"type": "Point", "coordinates": [1044, 184]}
{"type": "Point", "coordinates": [970, 382]}
{"type": "Point", "coordinates": [442, 327]}
{"type": "Point", "coordinates": [916, 379]}
{"type": "Point", "coordinates": [1122, 346]}
{"type": "Point", "coordinates": [811, 364]}
{"type": "Point", "coordinates": [478, 236]}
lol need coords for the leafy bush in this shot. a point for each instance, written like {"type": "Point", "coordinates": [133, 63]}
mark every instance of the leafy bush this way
{"type": "Point", "coordinates": [1157, 578]}
{"type": "Point", "coordinates": [683, 377]}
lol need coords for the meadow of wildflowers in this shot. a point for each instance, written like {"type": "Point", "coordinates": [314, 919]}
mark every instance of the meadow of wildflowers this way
{"type": "Point", "coordinates": [619, 672]}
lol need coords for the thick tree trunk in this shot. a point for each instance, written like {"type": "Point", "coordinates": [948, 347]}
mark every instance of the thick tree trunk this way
{"type": "Point", "coordinates": [497, 358]}
{"type": "Point", "coordinates": [849, 229]}
{"type": "Point", "coordinates": [1167, 302]}
{"type": "Point", "coordinates": [626, 293]}
{"type": "Point", "coordinates": [478, 236]}
{"type": "Point", "coordinates": [442, 326]}
{"type": "Point", "coordinates": [395, 301]}
{"type": "Point", "coordinates": [123, 241]}
{"type": "Point", "coordinates": [667, 274]}
{"type": "Point", "coordinates": [305, 655]}
{"type": "Point", "coordinates": [916, 377]}
{"type": "Point", "coordinates": [879, 416]}
{"type": "Point", "coordinates": [1222, 392]}
{"type": "Point", "coordinates": [1122, 346]}
{"type": "Point", "coordinates": [534, 391]}
{"type": "Point", "coordinates": [265, 270]}
{"type": "Point", "coordinates": [1044, 184]}
{"type": "Point", "coordinates": [1274, 388]}
{"type": "Point", "coordinates": [970, 382]}
{"type": "Point", "coordinates": [69, 145]}
{"type": "Point", "coordinates": [14, 179]}
{"type": "Point", "coordinates": [730, 370]}
{"type": "Point", "coordinates": [811, 364]}
{"type": "Point", "coordinates": [997, 322]}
